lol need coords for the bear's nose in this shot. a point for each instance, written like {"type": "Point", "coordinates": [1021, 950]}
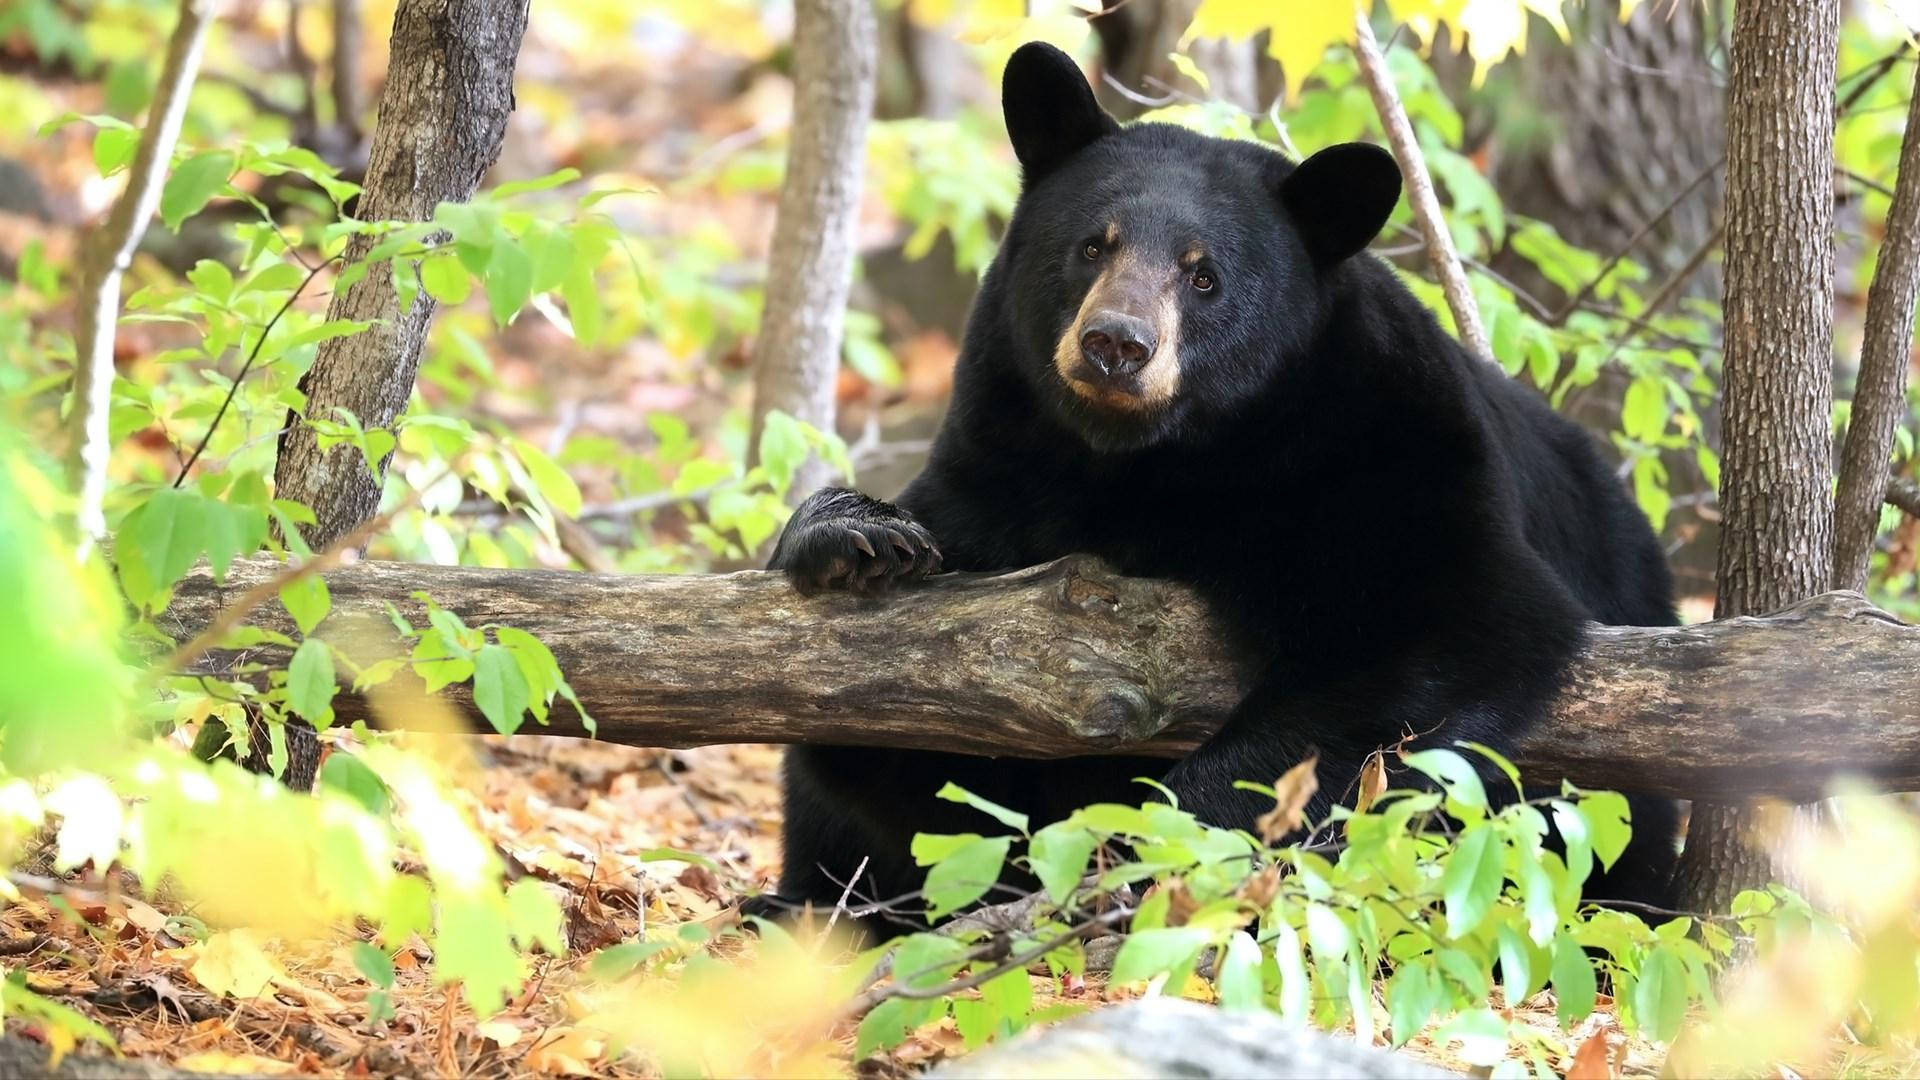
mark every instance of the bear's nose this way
{"type": "Point", "coordinates": [1117, 345]}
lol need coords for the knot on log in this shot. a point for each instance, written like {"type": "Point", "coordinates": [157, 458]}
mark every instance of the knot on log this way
{"type": "Point", "coordinates": [1121, 712]}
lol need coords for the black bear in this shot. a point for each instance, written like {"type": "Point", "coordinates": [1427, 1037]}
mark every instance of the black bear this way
{"type": "Point", "coordinates": [1182, 361]}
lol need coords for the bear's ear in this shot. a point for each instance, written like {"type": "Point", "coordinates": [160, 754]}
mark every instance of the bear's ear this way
{"type": "Point", "coordinates": [1340, 198]}
{"type": "Point", "coordinates": [1051, 113]}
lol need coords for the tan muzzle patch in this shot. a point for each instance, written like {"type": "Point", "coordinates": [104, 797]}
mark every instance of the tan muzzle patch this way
{"type": "Point", "coordinates": [1150, 293]}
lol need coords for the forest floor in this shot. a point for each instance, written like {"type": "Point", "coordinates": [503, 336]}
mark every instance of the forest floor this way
{"type": "Point", "coordinates": [587, 819]}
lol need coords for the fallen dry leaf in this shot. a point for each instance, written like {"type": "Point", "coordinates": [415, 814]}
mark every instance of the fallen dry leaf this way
{"type": "Point", "coordinates": [1373, 782]}
{"type": "Point", "coordinates": [1592, 1060]}
{"type": "Point", "coordinates": [1291, 793]}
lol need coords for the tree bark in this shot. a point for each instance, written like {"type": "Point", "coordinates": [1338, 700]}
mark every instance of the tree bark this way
{"type": "Point", "coordinates": [1776, 493]}
{"type": "Point", "coordinates": [442, 117]}
{"type": "Point", "coordinates": [796, 355]}
{"type": "Point", "coordinates": [1069, 659]}
{"type": "Point", "coordinates": [108, 253]}
{"type": "Point", "coordinates": [1880, 391]}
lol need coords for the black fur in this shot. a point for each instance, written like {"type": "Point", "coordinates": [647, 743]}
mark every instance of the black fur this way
{"type": "Point", "coordinates": [1400, 538]}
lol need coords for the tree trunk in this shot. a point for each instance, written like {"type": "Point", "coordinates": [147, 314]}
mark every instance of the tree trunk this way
{"type": "Point", "coordinates": [1601, 133]}
{"type": "Point", "coordinates": [1070, 658]}
{"type": "Point", "coordinates": [106, 255]}
{"type": "Point", "coordinates": [1880, 391]}
{"type": "Point", "coordinates": [796, 355]}
{"type": "Point", "coordinates": [1776, 494]}
{"type": "Point", "coordinates": [442, 117]}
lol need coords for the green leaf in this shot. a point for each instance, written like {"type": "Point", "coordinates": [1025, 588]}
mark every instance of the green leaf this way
{"type": "Point", "coordinates": [499, 688]}
{"type": "Point", "coordinates": [550, 249]}
{"type": "Point", "coordinates": [1012, 819]}
{"type": "Point", "coordinates": [1516, 965]}
{"type": "Point", "coordinates": [307, 600]}
{"type": "Point", "coordinates": [617, 961]}
{"type": "Point", "coordinates": [538, 183]}
{"type": "Point", "coordinates": [965, 874]}
{"type": "Point", "coordinates": [1058, 856]}
{"type": "Point", "coordinates": [113, 148]}
{"type": "Point", "coordinates": [887, 1025]}
{"type": "Point", "coordinates": [1456, 774]}
{"type": "Point", "coordinates": [445, 279]}
{"type": "Point", "coordinates": [1471, 882]}
{"type": "Point", "coordinates": [351, 777]}
{"type": "Point", "coordinates": [373, 963]}
{"type": "Point", "coordinates": [1238, 983]}
{"type": "Point", "coordinates": [1574, 985]}
{"type": "Point", "coordinates": [1660, 995]}
{"type": "Point", "coordinates": [159, 540]}
{"type": "Point", "coordinates": [584, 308]}
{"type": "Point", "coordinates": [194, 182]}
{"type": "Point", "coordinates": [310, 682]}
{"type": "Point", "coordinates": [1482, 1034]}
{"type": "Point", "coordinates": [1146, 953]}
{"type": "Point", "coordinates": [927, 960]}
{"type": "Point", "coordinates": [1328, 933]}
{"type": "Point", "coordinates": [1643, 411]}
{"type": "Point", "coordinates": [1413, 994]}
{"type": "Point", "coordinates": [1010, 996]}
{"type": "Point", "coordinates": [556, 487]}
{"type": "Point", "coordinates": [1574, 834]}
{"type": "Point", "coordinates": [1608, 819]}
{"type": "Point", "coordinates": [509, 279]}
{"type": "Point", "coordinates": [535, 917]}
{"type": "Point", "coordinates": [930, 848]}
{"type": "Point", "coordinates": [783, 448]}
{"type": "Point", "coordinates": [1295, 988]}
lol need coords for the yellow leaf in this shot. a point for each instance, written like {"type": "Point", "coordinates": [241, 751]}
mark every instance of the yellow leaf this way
{"type": "Point", "coordinates": [1300, 39]}
{"type": "Point", "coordinates": [567, 1050]}
{"type": "Point", "coordinates": [233, 962]}
{"type": "Point", "coordinates": [502, 1033]}
{"type": "Point", "coordinates": [223, 1064]}
{"type": "Point", "coordinates": [59, 1043]}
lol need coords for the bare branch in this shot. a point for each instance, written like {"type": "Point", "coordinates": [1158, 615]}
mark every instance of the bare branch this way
{"type": "Point", "coordinates": [108, 254]}
{"type": "Point", "coordinates": [1880, 391]}
{"type": "Point", "coordinates": [1904, 494]}
{"type": "Point", "coordinates": [1426, 208]}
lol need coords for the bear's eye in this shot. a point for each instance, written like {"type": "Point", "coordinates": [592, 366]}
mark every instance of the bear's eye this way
{"type": "Point", "coordinates": [1203, 280]}
{"type": "Point", "coordinates": [1091, 251]}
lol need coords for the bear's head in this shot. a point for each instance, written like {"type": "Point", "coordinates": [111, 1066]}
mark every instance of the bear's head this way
{"type": "Point", "coordinates": [1157, 279]}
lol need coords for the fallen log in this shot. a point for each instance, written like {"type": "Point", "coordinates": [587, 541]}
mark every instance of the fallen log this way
{"type": "Point", "coordinates": [1071, 658]}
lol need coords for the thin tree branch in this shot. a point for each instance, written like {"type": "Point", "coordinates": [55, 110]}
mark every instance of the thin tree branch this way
{"type": "Point", "coordinates": [1905, 494]}
{"type": "Point", "coordinates": [252, 355]}
{"type": "Point", "coordinates": [338, 553]}
{"type": "Point", "coordinates": [1670, 289]}
{"type": "Point", "coordinates": [110, 253]}
{"type": "Point", "coordinates": [1573, 303]}
{"type": "Point", "coordinates": [1880, 391]}
{"type": "Point", "coordinates": [1426, 208]}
